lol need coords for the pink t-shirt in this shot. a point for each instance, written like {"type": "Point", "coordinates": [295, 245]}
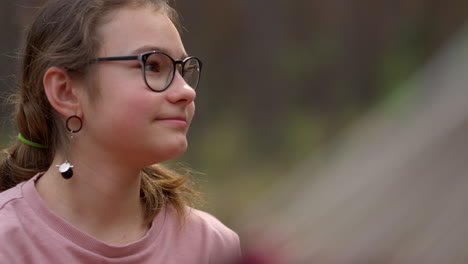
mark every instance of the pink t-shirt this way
{"type": "Point", "coordinates": [31, 233]}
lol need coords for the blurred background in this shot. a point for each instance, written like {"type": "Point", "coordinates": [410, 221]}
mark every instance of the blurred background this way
{"type": "Point", "coordinates": [291, 89]}
{"type": "Point", "coordinates": [284, 79]}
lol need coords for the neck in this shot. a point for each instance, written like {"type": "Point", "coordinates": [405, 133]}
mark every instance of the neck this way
{"type": "Point", "coordinates": [101, 199]}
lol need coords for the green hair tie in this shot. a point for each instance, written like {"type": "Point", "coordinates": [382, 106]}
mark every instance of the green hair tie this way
{"type": "Point", "coordinates": [30, 143]}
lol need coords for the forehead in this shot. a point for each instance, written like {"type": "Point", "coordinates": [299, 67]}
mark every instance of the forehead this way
{"type": "Point", "coordinates": [128, 30]}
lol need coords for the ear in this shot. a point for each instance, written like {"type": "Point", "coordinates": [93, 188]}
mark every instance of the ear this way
{"type": "Point", "coordinates": [62, 92]}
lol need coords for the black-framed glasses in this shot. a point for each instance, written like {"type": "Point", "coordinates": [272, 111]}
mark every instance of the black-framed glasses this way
{"type": "Point", "coordinates": [158, 69]}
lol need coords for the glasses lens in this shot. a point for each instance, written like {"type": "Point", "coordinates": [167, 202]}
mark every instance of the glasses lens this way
{"type": "Point", "coordinates": [191, 72]}
{"type": "Point", "coordinates": [159, 70]}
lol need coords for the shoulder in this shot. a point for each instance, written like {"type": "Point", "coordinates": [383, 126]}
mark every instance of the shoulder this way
{"type": "Point", "coordinates": [8, 196]}
{"type": "Point", "coordinates": [209, 234]}
{"type": "Point", "coordinates": [210, 225]}
{"type": "Point", "coordinates": [223, 242]}
{"type": "Point", "coordinates": [10, 202]}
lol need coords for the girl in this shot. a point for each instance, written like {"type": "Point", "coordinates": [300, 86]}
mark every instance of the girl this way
{"type": "Point", "coordinates": [106, 90]}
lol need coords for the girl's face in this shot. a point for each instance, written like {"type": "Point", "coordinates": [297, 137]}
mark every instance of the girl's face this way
{"type": "Point", "coordinates": [128, 120]}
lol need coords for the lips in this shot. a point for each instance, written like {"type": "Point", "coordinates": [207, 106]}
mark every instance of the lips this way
{"type": "Point", "coordinates": [179, 121]}
{"type": "Point", "coordinates": [177, 118]}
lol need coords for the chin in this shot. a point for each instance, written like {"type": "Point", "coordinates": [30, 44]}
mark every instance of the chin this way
{"type": "Point", "coordinates": [173, 151]}
{"type": "Point", "coordinates": [180, 149]}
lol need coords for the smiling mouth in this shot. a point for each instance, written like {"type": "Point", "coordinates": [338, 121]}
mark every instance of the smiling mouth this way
{"type": "Point", "coordinates": [173, 118]}
{"type": "Point", "coordinates": [176, 121]}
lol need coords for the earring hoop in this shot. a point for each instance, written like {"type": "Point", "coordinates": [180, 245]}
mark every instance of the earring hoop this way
{"type": "Point", "coordinates": [68, 126]}
{"type": "Point", "coordinates": [66, 168]}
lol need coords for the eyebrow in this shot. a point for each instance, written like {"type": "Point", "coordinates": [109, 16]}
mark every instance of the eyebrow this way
{"type": "Point", "coordinates": [147, 48]}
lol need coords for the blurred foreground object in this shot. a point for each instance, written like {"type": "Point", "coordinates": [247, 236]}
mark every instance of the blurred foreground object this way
{"type": "Point", "coordinates": [394, 191]}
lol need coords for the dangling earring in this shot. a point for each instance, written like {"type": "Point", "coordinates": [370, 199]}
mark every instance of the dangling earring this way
{"type": "Point", "coordinates": [66, 168]}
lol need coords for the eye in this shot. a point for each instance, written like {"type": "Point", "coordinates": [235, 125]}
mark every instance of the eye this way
{"type": "Point", "coordinates": [157, 63]}
{"type": "Point", "coordinates": [191, 68]}
{"type": "Point", "coordinates": [153, 66]}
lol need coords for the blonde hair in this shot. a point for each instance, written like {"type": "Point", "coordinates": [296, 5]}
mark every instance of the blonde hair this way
{"type": "Point", "coordinates": [64, 34]}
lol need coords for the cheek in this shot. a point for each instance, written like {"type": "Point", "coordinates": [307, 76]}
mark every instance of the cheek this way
{"type": "Point", "coordinates": [191, 111]}
{"type": "Point", "coordinates": [129, 112]}
{"type": "Point", "coordinates": [122, 103]}
{"type": "Point", "coordinates": [124, 92]}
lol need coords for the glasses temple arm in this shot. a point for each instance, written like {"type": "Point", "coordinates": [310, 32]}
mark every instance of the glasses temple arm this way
{"type": "Point", "coordinates": [115, 58]}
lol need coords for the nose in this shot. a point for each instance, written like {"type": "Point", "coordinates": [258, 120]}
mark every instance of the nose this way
{"type": "Point", "coordinates": [180, 92]}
